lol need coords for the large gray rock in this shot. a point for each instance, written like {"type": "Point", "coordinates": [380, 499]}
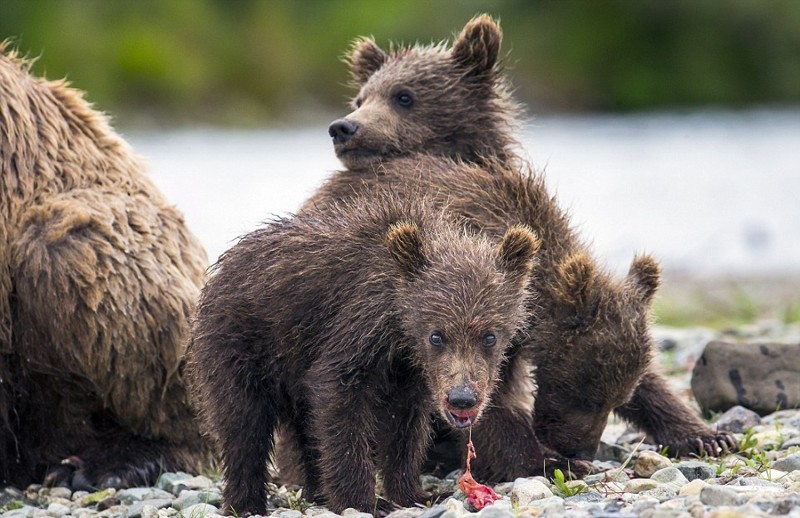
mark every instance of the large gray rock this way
{"type": "Point", "coordinates": [761, 377]}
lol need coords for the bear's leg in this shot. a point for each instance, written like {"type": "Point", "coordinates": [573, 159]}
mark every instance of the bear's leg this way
{"type": "Point", "coordinates": [657, 410]}
{"type": "Point", "coordinates": [240, 407]}
{"type": "Point", "coordinates": [344, 425]}
{"type": "Point", "coordinates": [504, 437]}
{"type": "Point", "coordinates": [100, 319]}
{"type": "Point", "coordinates": [404, 429]}
{"type": "Point", "coordinates": [244, 427]}
{"type": "Point", "coordinates": [289, 459]}
{"type": "Point", "coordinates": [299, 459]}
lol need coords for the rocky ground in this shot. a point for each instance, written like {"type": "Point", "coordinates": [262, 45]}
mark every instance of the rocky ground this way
{"type": "Point", "coordinates": [632, 479]}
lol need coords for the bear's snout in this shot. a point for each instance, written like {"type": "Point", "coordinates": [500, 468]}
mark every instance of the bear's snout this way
{"type": "Point", "coordinates": [462, 398]}
{"type": "Point", "coordinates": [342, 130]}
{"type": "Point", "coordinates": [461, 406]}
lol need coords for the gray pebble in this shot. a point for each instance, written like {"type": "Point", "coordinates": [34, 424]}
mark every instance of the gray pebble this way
{"type": "Point", "coordinates": [434, 512]}
{"type": "Point", "coordinates": [137, 494]}
{"type": "Point", "coordinates": [670, 477]}
{"type": "Point", "coordinates": [26, 511]}
{"type": "Point", "coordinates": [58, 492]}
{"type": "Point", "coordinates": [788, 463]}
{"type": "Point", "coordinates": [733, 495]}
{"type": "Point", "coordinates": [167, 480]}
{"type": "Point", "coordinates": [57, 510]}
{"type": "Point", "coordinates": [200, 511]}
{"type": "Point", "coordinates": [527, 490]}
{"type": "Point", "coordinates": [287, 513]}
{"type": "Point", "coordinates": [756, 482]}
{"type": "Point", "coordinates": [135, 510]}
{"type": "Point", "coordinates": [644, 502]}
{"type": "Point", "coordinates": [355, 513]}
{"type": "Point", "coordinates": [695, 469]}
{"type": "Point", "coordinates": [553, 506]}
{"type": "Point", "coordinates": [495, 511]}
{"type": "Point", "coordinates": [189, 497]}
{"type": "Point", "coordinates": [410, 512]}
{"type": "Point", "coordinates": [585, 498]}
{"type": "Point", "coordinates": [737, 419]}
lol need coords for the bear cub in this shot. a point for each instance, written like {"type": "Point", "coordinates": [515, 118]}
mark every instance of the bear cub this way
{"type": "Point", "coordinates": [347, 329]}
{"type": "Point", "coordinates": [454, 102]}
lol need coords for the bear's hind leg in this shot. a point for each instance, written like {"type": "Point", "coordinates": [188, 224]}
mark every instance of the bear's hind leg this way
{"type": "Point", "coordinates": [100, 322]}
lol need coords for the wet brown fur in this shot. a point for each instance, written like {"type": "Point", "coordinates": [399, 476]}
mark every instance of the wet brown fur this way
{"type": "Point", "coordinates": [462, 102]}
{"type": "Point", "coordinates": [589, 337]}
{"type": "Point", "coordinates": [320, 325]}
{"type": "Point", "coordinates": [98, 277]}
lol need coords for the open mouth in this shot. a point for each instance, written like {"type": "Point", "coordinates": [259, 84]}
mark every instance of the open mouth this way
{"type": "Point", "coordinates": [461, 418]}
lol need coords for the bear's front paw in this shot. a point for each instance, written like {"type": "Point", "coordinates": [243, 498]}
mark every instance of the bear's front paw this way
{"type": "Point", "coordinates": [80, 474]}
{"type": "Point", "coordinates": [712, 443]}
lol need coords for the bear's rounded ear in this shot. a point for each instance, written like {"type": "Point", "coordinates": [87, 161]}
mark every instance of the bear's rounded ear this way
{"type": "Point", "coordinates": [516, 253]}
{"type": "Point", "coordinates": [577, 275]}
{"type": "Point", "coordinates": [365, 59]}
{"type": "Point", "coordinates": [478, 45]}
{"type": "Point", "coordinates": [644, 277]}
{"type": "Point", "coordinates": [405, 245]}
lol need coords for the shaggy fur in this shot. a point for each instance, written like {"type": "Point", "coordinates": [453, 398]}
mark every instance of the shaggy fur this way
{"type": "Point", "coordinates": [98, 277]}
{"type": "Point", "coordinates": [323, 325]}
{"type": "Point", "coordinates": [589, 338]}
{"type": "Point", "coordinates": [451, 102]}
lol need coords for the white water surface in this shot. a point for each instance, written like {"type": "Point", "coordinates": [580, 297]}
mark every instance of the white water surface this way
{"type": "Point", "coordinates": [708, 193]}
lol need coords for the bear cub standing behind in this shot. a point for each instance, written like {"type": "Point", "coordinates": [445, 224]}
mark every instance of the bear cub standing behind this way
{"type": "Point", "coordinates": [348, 328]}
{"type": "Point", "coordinates": [453, 102]}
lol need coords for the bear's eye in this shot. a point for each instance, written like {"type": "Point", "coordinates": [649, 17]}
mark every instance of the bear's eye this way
{"type": "Point", "coordinates": [436, 339]}
{"type": "Point", "coordinates": [404, 99]}
{"type": "Point", "coordinates": [489, 340]}
{"type": "Point", "coordinates": [358, 102]}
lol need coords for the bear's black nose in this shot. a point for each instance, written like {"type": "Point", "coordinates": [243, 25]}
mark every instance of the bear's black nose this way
{"type": "Point", "coordinates": [462, 398]}
{"type": "Point", "coordinates": [342, 130]}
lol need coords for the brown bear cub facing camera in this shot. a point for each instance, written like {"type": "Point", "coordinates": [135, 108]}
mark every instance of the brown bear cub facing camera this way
{"type": "Point", "coordinates": [453, 102]}
{"type": "Point", "coordinates": [347, 329]}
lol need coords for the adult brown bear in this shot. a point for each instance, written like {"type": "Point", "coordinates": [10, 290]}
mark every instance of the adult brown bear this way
{"type": "Point", "coordinates": [98, 279]}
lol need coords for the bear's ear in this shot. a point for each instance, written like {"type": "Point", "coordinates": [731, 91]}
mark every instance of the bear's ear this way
{"type": "Point", "coordinates": [516, 253]}
{"type": "Point", "coordinates": [577, 275]}
{"type": "Point", "coordinates": [644, 277]}
{"type": "Point", "coordinates": [478, 45]}
{"type": "Point", "coordinates": [365, 59]}
{"type": "Point", "coordinates": [405, 245]}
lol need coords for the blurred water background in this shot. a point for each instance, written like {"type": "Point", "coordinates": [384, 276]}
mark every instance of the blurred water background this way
{"type": "Point", "coordinates": [666, 127]}
{"type": "Point", "coordinates": [706, 193]}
